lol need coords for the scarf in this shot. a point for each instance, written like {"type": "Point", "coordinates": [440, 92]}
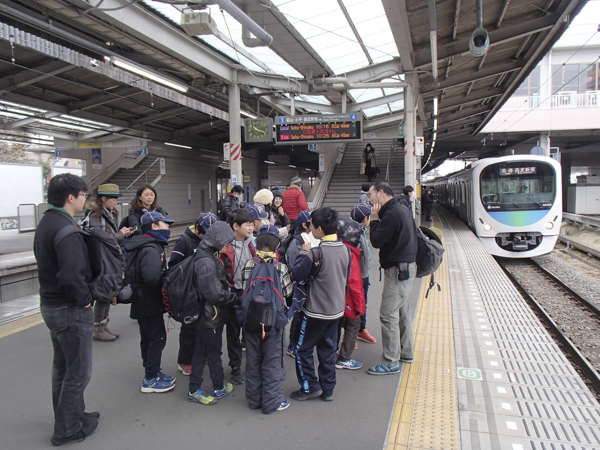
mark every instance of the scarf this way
{"type": "Point", "coordinates": [329, 238]}
{"type": "Point", "coordinates": [266, 256]}
{"type": "Point", "coordinates": [161, 235]}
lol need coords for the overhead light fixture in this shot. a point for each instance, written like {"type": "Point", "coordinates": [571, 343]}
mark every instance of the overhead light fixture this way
{"type": "Point", "coordinates": [435, 124]}
{"type": "Point", "coordinates": [293, 167]}
{"type": "Point", "coordinates": [178, 145]}
{"type": "Point", "coordinates": [248, 114]}
{"type": "Point", "coordinates": [269, 162]}
{"type": "Point", "coordinates": [434, 135]}
{"type": "Point", "coordinates": [435, 106]}
{"type": "Point", "coordinates": [9, 141]}
{"type": "Point", "coordinates": [150, 75]}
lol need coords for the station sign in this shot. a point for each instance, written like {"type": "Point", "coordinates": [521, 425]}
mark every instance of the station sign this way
{"type": "Point", "coordinates": [318, 128]}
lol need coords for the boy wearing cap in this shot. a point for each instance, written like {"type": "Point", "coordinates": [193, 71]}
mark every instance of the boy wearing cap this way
{"type": "Point", "coordinates": [186, 246]}
{"type": "Point", "coordinates": [265, 370]}
{"type": "Point", "coordinates": [240, 250]}
{"type": "Point", "coordinates": [361, 213]}
{"type": "Point", "coordinates": [147, 252]}
{"type": "Point", "coordinates": [295, 201]}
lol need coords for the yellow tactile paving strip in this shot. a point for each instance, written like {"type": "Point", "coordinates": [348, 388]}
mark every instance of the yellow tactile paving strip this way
{"type": "Point", "coordinates": [425, 415]}
{"type": "Point", "coordinates": [19, 325]}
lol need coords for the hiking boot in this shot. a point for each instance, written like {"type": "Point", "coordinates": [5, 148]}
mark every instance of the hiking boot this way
{"type": "Point", "coordinates": [236, 375]}
{"type": "Point", "coordinates": [185, 369]}
{"type": "Point", "coordinates": [114, 333]}
{"type": "Point", "coordinates": [88, 426]}
{"type": "Point", "coordinates": [100, 333]}
{"type": "Point", "coordinates": [300, 395]}
{"type": "Point", "coordinates": [366, 337]}
{"type": "Point", "coordinates": [156, 385]}
{"type": "Point", "coordinates": [220, 393]}
{"type": "Point", "coordinates": [350, 364]}
{"type": "Point", "coordinates": [200, 397]}
{"type": "Point", "coordinates": [290, 351]}
{"type": "Point", "coordinates": [165, 377]}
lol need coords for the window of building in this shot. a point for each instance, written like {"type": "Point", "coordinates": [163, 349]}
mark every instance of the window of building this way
{"type": "Point", "coordinates": [531, 85]}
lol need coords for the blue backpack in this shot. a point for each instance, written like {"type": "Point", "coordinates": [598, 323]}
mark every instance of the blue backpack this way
{"type": "Point", "coordinates": [263, 304]}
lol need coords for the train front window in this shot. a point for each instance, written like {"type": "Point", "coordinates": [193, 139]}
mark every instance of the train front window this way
{"type": "Point", "coordinates": [518, 185]}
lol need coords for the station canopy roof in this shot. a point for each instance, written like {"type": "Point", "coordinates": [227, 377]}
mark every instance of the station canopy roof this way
{"type": "Point", "coordinates": [102, 70]}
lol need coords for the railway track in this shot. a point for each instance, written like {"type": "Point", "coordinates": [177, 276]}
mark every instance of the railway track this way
{"type": "Point", "coordinates": [574, 321]}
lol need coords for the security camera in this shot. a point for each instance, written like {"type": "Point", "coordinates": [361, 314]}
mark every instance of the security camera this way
{"type": "Point", "coordinates": [479, 42]}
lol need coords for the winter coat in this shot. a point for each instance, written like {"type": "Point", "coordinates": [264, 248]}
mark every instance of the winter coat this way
{"type": "Point", "coordinates": [135, 218]}
{"type": "Point", "coordinates": [229, 205]}
{"type": "Point", "coordinates": [107, 220]}
{"type": "Point", "coordinates": [395, 235]}
{"type": "Point", "coordinates": [150, 271]}
{"type": "Point", "coordinates": [405, 200]}
{"type": "Point", "coordinates": [295, 201]}
{"type": "Point", "coordinates": [211, 278]}
{"type": "Point", "coordinates": [355, 295]}
{"type": "Point", "coordinates": [180, 252]}
{"type": "Point", "coordinates": [277, 219]}
{"type": "Point", "coordinates": [363, 198]}
{"type": "Point", "coordinates": [229, 263]}
{"type": "Point", "coordinates": [426, 200]}
{"type": "Point", "coordinates": [371, 161]}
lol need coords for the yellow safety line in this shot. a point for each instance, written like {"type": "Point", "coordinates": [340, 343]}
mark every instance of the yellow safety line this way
{"type": "Point", "coordinates": [21, 324]}
{"type": "Point", "coordinates": [425, 414]}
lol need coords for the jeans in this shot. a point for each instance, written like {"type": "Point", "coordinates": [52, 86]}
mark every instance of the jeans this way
{"type": "Point", "coordinates": [152, 343]}
{"type": "Point", "coordinates": [71, 330]}
{"type": "Point", "coordinates": [397, 337]}
{"type": "Point", "coordinates": [351, 326]}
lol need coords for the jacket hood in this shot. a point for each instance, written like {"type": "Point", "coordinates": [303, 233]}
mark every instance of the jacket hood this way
{"type": "Point", "coordinates": [277, 194]}
{"type": "Point", "coordinates": [138, 241]}
{"type": "Point", "coordinates": [217, 237]}
{"type": "Point", "coordinates": [353, 249]}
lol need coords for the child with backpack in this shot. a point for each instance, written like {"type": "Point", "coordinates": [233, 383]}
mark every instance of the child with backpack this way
{"type": "Point", "coordinates": [186, 246]}
{"type": "Point", "coordinates": [146, 258]}
{"type": "Point", "coordinates": [323, 308]}
{"type": "Point", "coordinates": [234, 257]}
{"type": "Point", "coordinates": [361, 213]}
{"type": "Point", "coordinates": [349, 232]}
{"type": "Point", "coordinates": [216, 298]}
{"type": "Point", "coordinates": [266, 286]}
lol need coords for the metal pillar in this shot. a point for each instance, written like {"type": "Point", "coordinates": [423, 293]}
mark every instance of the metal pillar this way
{"type": "Point", "coordinates": [235, 134]}
{"type": "Point", "coordinates": [292, 105]}
{"type": "Point", "coordinates": [409, 132]}
{"type": "Point", "coordinates": [545, 143]}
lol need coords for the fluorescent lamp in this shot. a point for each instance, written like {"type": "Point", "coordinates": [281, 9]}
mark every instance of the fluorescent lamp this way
{"type": "Point", "coordinates": [435, 106]}
{"type": "Point", "coordinates": [293, 167]}
{"type": "Point", "coordinates": [8, 141]}
{"type": "Point", "coordinates": [434, 136]}
{"type": "Point", "coordinates": [248, 114]}
{"type": "Point", "coordinates": [269, 162]}
{"type": "Point", "coordinates": [178, 145]}
{"type": "Point", "coordinates": [68, 126]}
{"type": "Point", "coordinates": [435, 124]}
{"type": "Point", "coordinates": [150, 75]}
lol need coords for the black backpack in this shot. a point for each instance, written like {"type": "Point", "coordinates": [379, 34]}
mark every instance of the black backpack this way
{"type": "Point", "coordinates": [430, 254]}
{"type": "Point", "coordinates": [180, 292]}
{"type": "Point", "coordinates": [262, 302]}
{"type": "Point", "coordinates": [131, 280]}
{"type": "Point", "coordinates": [106, 260]}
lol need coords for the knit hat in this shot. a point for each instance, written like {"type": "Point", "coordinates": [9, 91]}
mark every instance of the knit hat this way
{"type": "Point", "coordinates": [109, 190]}
{"type": "Point", "coordinates": [264, 197]}
{"type": "Point", "coordinates": [206, 219]}
{"type": "Point", "coordinates": [303, 217]}
{"type": "Point", "coordinates": [268, 229]}
{"type": "Point", "coordinates": [258, 214]}
{"type": "Point", "coordinates": [360, 211]}
{"type": "Point", "coordinates": [349, 231]}
{"type": "Point", "coordinates": [296, 181]}
{"type": "Point", "coordinates": [277, 194]}
{"type": "Point", "coordinates": [154, 216]}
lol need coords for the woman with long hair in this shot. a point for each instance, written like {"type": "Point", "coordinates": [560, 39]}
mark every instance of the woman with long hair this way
{"type": "Point", "coordinates": [145, 200]}
{"type": "Point", "coordinates": [101, 213]}
{"type": "Point", "coordinates": [368, 157]}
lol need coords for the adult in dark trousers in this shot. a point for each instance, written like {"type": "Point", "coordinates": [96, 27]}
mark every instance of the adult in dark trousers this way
{"type": "Point", "coordinates": [64, 273]}
{"type": "Point", "coordinates": [427, 202]}
{"type": "Point", "coordinates": [145, 200]}
{"type": "Point", "coordinates": [368, 157]}
{"type": "Point", "coordinates": [394, 233]}
{"type": "Point", "coordinates": [295, 201]}
{"type": "Point", "coordinates": [232, 202]}
{"type": "Point", "coordinates": [405, 199]}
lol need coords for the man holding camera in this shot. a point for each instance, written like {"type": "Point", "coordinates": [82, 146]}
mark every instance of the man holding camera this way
{"type": "Point", "coordinates": [393, 232]}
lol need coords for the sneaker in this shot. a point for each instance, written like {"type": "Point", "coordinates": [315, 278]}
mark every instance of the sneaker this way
{"type": "Point", "coordinates": [382, 369]}
{"type": "Point", "coordinates": [300, 395]}
{"type": "Point", "coordinates": [350, 364]}
{"type": "Point", "coordinates": [156, 385]}
{"type": "Point", "coordinates": [236, 375]}
{"type": "Point", "coordinates": [220, 393]}
{"type": "Point", "coordinates": [290, 351]}
{"type": "Point", "coordinates": [327, 397]}
{"type": "Point", "coordinates": [355, 346]}
{"type": "Point", "coordinates": [200, 397]}
{"type": "Point", "coordinates": [285, 404]}
{"type": "Point", "coordinates": [406, 360]}
{"type": "Point", "coordinates": [185, 369]}
{"type": "Point", "coordinates": [366, 337]}
{"type": "Point", "coordinates": [94, 414]}
{"type": "Point", "coordinates": [88, 426]}
{"type": "Point", "coordinates": [165, 377]}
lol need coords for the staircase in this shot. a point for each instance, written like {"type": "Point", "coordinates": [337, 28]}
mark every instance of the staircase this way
{"type": "Point", "coordinates": [345, 186]}
{"type": "Point", "coordinates": [145, 172]}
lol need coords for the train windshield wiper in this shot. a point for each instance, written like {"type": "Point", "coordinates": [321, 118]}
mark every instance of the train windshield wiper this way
{"type": "Point", "coordinates": [516, 204]}
{"type": "Point", "coordinates": [532, 200]}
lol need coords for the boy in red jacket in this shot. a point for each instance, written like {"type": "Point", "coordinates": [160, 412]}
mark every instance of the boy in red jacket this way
{"type": "Point", "coordinates": [349, 233]}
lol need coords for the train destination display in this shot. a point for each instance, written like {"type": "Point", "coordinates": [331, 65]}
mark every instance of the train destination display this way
{"type": "Point", "coordinates": [318, 128]}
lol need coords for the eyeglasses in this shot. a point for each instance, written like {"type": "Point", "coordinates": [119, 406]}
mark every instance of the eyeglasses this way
{"type": "Point", "coordinates": [81, 193]}
{"type": "Point", "coordinates": [371, 193]}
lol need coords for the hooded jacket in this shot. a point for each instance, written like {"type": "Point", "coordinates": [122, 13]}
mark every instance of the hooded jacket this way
{"type": "Point", "coordinates": [295, 201]}
{"type": "Point", "coordinates": [229, 262]}
{"type": "Point", "coordinates": [180, 252]}
{"type": "Point", "coordinates": [150, 271]}
{"type": "Point", "coordinates": [355, 295]}
{"type": "Point", "coordinates": [107, 220]}
{"type": "Point", "coordinates": [229, 205]}
{"type": "Point", "coordinates": [277, 219]}
{"type": "Point", "coordinates": [211, 278]}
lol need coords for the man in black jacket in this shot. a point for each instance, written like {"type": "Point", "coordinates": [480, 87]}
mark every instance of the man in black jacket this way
{"type": "Point", "coordinates": [232, 202]}
{"type": "Point", "coordinates": [393, 232]}
{"type": "Point", "coordinates": [64, 273]}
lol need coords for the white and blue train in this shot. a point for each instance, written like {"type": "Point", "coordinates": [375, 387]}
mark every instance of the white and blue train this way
{"type": "Point", "coordinates": [512, 203]}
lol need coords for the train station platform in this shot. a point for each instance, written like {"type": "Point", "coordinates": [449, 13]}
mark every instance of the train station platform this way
{"type": "Point", "coordinates": [486, 375]}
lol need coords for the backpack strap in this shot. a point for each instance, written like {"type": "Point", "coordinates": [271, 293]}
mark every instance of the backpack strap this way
{"type": "Point", "coordinates": [188, 244]}
{"type": "Point", "coordinates": [67, 231]}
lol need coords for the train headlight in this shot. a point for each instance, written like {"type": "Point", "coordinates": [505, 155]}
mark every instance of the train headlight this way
{"type": "Point", "coordinates": [549, 225]}
{"type": "Point", "coordinates": [487, 227]}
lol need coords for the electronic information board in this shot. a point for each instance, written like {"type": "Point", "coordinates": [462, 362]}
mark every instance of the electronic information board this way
{"type": "Point", "coordinates": [318, 128]}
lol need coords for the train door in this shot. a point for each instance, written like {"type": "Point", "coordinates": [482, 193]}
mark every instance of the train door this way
{"type": "Point", "coordinates": [470, 203]}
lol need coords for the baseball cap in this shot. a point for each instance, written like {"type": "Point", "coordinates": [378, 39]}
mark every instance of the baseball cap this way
{"type": "Point", "coordinates": [303, 217]}
{"type": "Point", "coordinates": [206, 219]}
{"type": "Point", "coordinates": [258, 214]}
{"type": "Point", "coordinates": [268, 229]}
{"type": "Point", "coordinates": [360, 211]}
{"type": "Point", "coordinates": [154, 216]}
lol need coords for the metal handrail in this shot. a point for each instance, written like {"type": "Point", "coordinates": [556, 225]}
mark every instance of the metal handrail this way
{"type": "Point", "coordinates": [118, 159]}
{"type": "Point", "coordinates": [141, 175]}
{"type": "Point", "coordinates": [387, 170]}
{"type": "Point", "coordinates": [324, 183]}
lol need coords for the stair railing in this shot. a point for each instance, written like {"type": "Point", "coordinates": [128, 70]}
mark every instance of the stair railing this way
{"type": "Point", "coordinates": [324, 183]}
{"type": "Point", "coordinates": [110, 169]}
{"type": "Point", "coordinates": [144, 173]}
{"type": "Point", "coordinates": [387, 169]}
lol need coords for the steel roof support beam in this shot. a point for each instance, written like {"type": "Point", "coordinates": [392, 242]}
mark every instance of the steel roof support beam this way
{"type": "Point", "coordinates": [456, 16]}
{"type": "Point", "coordinates": [308, 105]}
{"type": "Point", "coordinates": [22, 122]}
{"type": "Point", "coordinates": [468, 78]}
{"type": "Point", "coordinates": [33, 75]}
{"type": "Point", "coordinates": [160, 116]}
{"type": "Point", "coordinates": [376, 102]}
{"type": "Point", "coordinates": [355, 31]}
{"type": "Point", "coordinates": [476, 97]}
{"type": "Point", "coordinates": [383, 122]}
{"type": "Point", "coordinates": [200, 128]}
{"type": "Point", "coordinates": [106, 97]}
{"type": "Point", "coordinates": [464, 114]}
{"type": "Point", "coordinates": [461, 132]}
